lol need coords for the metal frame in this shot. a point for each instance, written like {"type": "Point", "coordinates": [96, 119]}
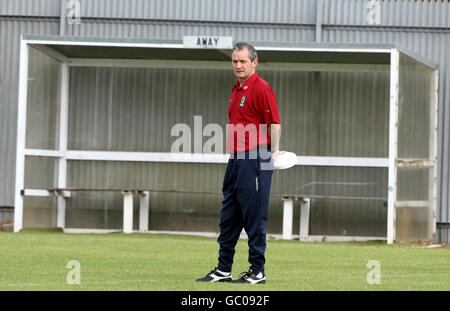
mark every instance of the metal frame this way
{"type": "Point", "coordinates": [63, 154]}
{"type": "Point", "coordinates": [434, 151]}
{"type": "Point", "coordinates": [393, 138]}
{"type": "Point", "coordinates": [186, 64]}
{"type": "Point", "coordinates": [81, 155]}
{"type": "Point", "coordinates": [21, 135]}
{"type": "Point", "coordinates": [63, 137]}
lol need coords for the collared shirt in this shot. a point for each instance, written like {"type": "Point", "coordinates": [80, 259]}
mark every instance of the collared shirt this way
{"type": "Point", "coordinates": [252, 108]}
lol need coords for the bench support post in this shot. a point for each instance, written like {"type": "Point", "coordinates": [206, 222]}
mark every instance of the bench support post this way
{"type": "Point", "coordinates": [288, 216]}
{"type": "Point", "coordinates": [61, 213]}
{"type": "Point", "coordinates": [144, 211]}
{"type": "Point", "coordinates": [127, 211]}
{"type": "Point", "coordinates": [305, 207]}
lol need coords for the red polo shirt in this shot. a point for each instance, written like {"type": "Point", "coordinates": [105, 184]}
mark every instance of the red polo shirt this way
{"type": "Point", "coordinates": [251, 105]}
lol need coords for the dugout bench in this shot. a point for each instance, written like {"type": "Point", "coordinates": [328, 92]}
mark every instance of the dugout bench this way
{"type": "Point", "coordinates": [144, 205]}
{"type": "Point", "coordinates": [305, 211]}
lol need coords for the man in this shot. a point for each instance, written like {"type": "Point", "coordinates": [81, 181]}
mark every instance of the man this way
{"type": "Point", "coordinates": [253, 143]}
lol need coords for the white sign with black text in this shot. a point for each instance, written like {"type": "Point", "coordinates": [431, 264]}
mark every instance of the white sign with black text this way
{"type": "Point", "coordinates": [213, 42]}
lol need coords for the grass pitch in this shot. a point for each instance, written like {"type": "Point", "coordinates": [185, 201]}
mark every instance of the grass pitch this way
{"type": "Point", "coordinates": [36, 259]}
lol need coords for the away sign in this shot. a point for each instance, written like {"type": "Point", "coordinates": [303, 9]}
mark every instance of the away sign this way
{"type": "Point", "coordinates": [213, 42]}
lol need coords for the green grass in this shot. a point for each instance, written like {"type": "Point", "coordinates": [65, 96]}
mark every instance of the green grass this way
{"type": "Point", "coordinates": [36, 259]}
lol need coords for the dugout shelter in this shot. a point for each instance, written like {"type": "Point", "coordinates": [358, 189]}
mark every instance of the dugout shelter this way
{"type": "Point", "coordinates": [96, 117]}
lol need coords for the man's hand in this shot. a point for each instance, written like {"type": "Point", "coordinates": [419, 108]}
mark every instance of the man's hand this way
{"type": "Point", "coordinates": [275, 155]}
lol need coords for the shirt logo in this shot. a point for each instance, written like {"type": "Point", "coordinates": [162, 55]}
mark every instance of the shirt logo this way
{"type": "Point", "coordinates": [242, 101]}
{"type": "Point", "coordinates": [245, 87]}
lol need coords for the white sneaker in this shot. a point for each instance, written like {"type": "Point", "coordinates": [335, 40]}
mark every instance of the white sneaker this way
{"type": "Point", "coordinates": [251, 278]}
{"type": "Point", "coordinates": [216, 276]}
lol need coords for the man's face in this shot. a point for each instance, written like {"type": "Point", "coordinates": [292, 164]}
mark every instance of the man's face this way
{"type": "Point", "coordinates": [242, 65]}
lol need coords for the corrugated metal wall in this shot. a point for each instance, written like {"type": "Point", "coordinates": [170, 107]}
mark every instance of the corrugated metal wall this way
{"type": "Point", "coordinates": [30, 8]}
{"type": "Point", "coordinates": [10, 30]}
{"type": "Point", "coordinates": [250, 11]}
{"type": "Point", "coordinates": [421, 26]}
{"type": "Point", "coordinates": [410, 13]}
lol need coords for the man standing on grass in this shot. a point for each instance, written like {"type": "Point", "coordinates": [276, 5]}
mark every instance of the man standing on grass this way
{"type": "Point", "coordinates": [253, 143]}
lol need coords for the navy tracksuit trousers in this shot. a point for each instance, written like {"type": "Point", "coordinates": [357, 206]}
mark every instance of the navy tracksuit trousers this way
{"type": "Point", "coordinates": [246, 192]}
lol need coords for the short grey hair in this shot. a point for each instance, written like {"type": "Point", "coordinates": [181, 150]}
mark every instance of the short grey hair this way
{"type": "Point", "coordinates": [251, 49]}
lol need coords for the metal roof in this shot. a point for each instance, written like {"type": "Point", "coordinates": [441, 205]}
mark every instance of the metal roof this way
{"type": "Point", "coordinates": [297, 52]}
{"type": "Point", "coordinates": [113, 48]}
